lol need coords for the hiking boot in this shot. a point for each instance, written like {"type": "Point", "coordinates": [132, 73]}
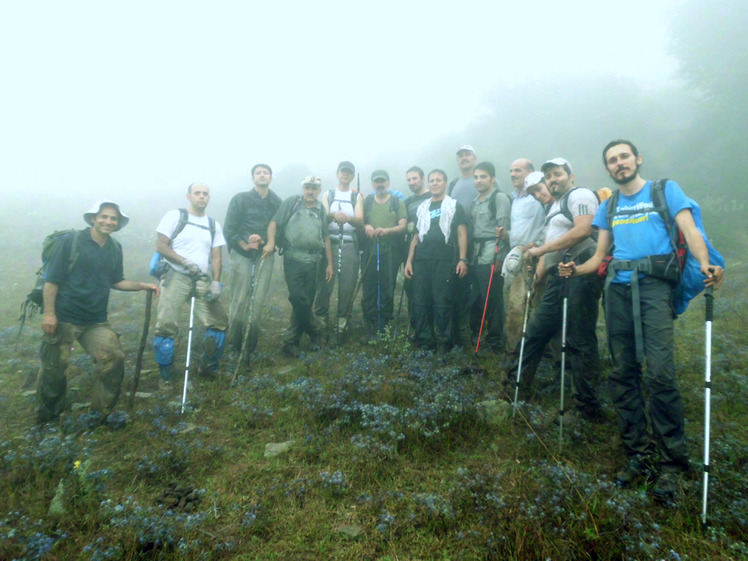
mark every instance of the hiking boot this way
{"type": "Point", "coordinates": [635, 468]}
{"type": "Point", "coordinates": [667, 485]}
{"type": "Point", "coordinates": [290, 350]}
{"type": "Point", "coordinates": [592, 414]}
{"type": "Point", "coordinates": [208, 371]}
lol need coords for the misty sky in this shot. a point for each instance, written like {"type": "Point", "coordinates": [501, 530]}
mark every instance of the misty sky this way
{"type": "Point", "coordinates": [104, 98]}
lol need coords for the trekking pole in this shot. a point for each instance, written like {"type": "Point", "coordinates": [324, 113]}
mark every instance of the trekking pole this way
{"type": "Point", "coordinates": [340, 269]}
{"type": "Point", "coordinates": [248, 325]}
{"type": "Point", "coordinates": [567, 258]}
{"type": "Point", "coordinates": [189, 346]}
{"type": "Point", "coordinates": [141, 349]}
{"type": "Point", "coordinates": [709, 305]}
{"type": "Point", "coordinates": [379, 294]}
{"type": "Point", "coordinates": [528, 297]}
{"type": "Point", "coordinates": [488, 293]}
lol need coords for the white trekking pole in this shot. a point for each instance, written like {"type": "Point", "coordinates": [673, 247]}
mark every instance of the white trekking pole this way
{"type": "Point", "coordinates": [189, 350]}
{"type": "Point", "coordinates": [567, 258]}
{"type": "Point", "coordinates": [709, 305]}
{"type": "Point", "coordinates": [528, 297]}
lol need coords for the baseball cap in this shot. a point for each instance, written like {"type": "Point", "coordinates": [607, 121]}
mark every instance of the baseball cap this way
{"type": "Point", "coordinates": [556, 162]}
{"type": "Point", "coordinates": [345, 164]}
{"type": "Point", "coordinates": [91, 213]}
{"type": "Point", "coordinates": [380, 174]}
{"type": "Point", "coordinates": [311, 180]}
{"type": "Point", "coordinates": [533, 178]}
{"type": "Point", "coordinates": [466, 147]}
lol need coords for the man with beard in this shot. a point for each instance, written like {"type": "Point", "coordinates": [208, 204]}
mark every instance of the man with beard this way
{"type": "Point", "coordinates": [385, 220]}
{"type": "Point", "coordinates": [569, 227]}
{"type": "Point", "coordinates": [440, 241]}
{"type": "Point", "coordinates": [639, 231]}
{"type": "Point", "coordinates": [415, 179]}
{"type": "Point", "coordinates": [246, 226]}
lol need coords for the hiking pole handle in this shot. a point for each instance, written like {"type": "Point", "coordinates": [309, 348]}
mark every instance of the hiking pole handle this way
{"type": "Point", "coordinates": [709, 303]}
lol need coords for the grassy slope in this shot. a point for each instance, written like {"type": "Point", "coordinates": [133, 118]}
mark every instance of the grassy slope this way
{"type": "Point", "coordinates": [384, 440]}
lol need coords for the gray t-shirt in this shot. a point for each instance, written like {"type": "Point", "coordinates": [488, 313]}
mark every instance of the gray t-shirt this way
{"type": "Point", "coordinates": [464, 191]}
{"type": "Point", "coordinates": [485, 221]}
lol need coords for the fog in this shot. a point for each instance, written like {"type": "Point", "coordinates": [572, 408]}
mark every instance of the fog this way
{"type": "Point", "coordinates": [135, 101]}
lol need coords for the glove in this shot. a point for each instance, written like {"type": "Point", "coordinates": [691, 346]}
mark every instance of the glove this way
{"type": "Point", "coordinates": [193, 269]}
{"type": "Point", "coordinates": [214, 292]}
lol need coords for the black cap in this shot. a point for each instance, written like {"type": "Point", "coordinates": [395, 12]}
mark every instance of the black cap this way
{"type": "Point", "coordinates": [380, 174]}
{"type": "Point", "coordinates": [346, 165]}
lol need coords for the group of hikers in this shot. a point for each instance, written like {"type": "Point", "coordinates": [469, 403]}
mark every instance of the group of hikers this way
{"type": "Point", "coordinates": [466, 249]}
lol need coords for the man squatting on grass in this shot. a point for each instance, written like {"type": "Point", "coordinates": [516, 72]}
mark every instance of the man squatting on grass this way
{"type": "Point", "coordinates": [440, 241]}
{"type": "Point", "coordinates": [246, 225]}
{"type": "Point", "coordinates": [306, 244]}
{"type": "Point", "coordinates": [192, 254]}
{"type": "Point", "coordinates": [639, 231]}
{"type": "Point", "coordinates": [75, 308]}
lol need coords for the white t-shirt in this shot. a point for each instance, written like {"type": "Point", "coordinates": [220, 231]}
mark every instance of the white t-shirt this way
{"type": "Point", "coordinates": [581, 202]}
{"type": "Point", "coordinates": [193, 242]}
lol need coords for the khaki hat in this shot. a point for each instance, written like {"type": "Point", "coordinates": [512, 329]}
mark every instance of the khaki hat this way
{"type": "Point", "coordinates": [311, 180]}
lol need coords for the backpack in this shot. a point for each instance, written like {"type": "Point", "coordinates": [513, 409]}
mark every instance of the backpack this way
{"type": "Point", "coordinates": [300, 240]}
{"type": "Point", "coordinates": [158, 265]}
{"type": "Point", "coordinates": [681, 267]}
{"type": "Point", "coordinates": [280, 234]}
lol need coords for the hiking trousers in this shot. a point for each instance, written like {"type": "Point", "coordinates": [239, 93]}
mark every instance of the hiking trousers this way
{"type": "Point", "coordinates": [493, 326]}
{"type": "Point", "coordinates": [379, 286]}
{"type": "Point", "coordinates": [348, 279]}
{"type": "Point", "coordinates": [98, 340]}
{"type": "Point", "coordinates": [434, 286]}
{"type": "Point", "coordinates": [582, 355]}
{"type": "Point", "coordinates": [301, 279]}
{"type": "Point", "coordinates": [176, 290]}
{"type": "Point", "coordinates": [241, 294]}
{"type": "Point", "coordinates": [665, 406]}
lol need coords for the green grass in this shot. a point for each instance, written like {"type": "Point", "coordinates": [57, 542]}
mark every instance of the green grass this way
{"type": "Point", "coordinates": [385, 441]}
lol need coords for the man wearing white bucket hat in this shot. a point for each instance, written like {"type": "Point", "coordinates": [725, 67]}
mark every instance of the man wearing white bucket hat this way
{"type": "Point", "coordinates": [85, 265]}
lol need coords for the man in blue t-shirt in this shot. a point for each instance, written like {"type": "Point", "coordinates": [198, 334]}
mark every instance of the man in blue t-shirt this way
{"type": "Point", "coordinates": [79, 275]}
{"type": "Point", "coordinates": [639, 231]}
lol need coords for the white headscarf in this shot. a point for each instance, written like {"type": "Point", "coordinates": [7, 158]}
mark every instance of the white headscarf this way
{"type": "Point", "coordinates": [449, 207]}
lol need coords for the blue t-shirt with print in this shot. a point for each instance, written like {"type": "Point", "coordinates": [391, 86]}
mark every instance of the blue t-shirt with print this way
{"type": "Point", "coordinates": [642, 233]}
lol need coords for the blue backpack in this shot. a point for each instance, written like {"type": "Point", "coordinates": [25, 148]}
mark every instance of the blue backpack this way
{"type": "Point", "coordinates": [689, 281]}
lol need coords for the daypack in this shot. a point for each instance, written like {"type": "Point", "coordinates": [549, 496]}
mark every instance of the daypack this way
{"type": "Point", "coordinates": [681, 267]}
{"type": "Point", "coordinates": [158, 265]}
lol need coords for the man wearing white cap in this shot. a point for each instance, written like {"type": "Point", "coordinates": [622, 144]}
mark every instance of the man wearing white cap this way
{"type": "Point", "coordinates": [83, 268]}
{"type": "Point", "coordinates": [301, 225]}
{"type": "Point", "coordinates": [464, 192]}
{"type": "Point", "coordinates": [568, 234]}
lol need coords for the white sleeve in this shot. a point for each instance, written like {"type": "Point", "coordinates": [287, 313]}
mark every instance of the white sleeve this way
{"type": "Point", "coordinates": [583, 202]}
{"type": "Point", "coordinates": [218, 239]}
{"type": "Point", "coordinates": [168, 223]}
